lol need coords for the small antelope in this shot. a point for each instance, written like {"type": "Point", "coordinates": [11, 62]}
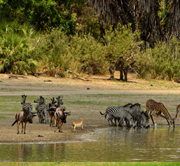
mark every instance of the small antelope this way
{"type": "Point", "coordinates": [78, 124]}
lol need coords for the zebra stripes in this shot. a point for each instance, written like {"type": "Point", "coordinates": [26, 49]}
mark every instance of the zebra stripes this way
{"type": "Point", "coordinates": [112, 109]}
{"type": "Point", "coordinates": [41, 109]}
{"type": "Point", "coordinates": [116, 113]}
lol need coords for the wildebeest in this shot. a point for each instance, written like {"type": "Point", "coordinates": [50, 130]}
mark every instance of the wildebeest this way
{"type": "Point", "coordinates": [21, 118]}
{"type": "Point", "coordinates": [27, 106]}
{"type": "Point", "coordinates": [60, 116]}
{"type": "Point", "coordinates": [51, 109]}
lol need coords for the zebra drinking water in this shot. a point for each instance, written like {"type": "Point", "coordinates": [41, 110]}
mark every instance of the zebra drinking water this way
{"type": "Point", "coordinates": [112, 109]}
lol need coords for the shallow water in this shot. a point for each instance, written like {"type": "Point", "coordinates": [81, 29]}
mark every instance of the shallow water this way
{"type": "Point", "coordinates": [107, 144]}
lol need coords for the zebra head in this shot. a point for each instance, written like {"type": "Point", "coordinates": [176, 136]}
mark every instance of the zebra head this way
{"type": "Point", "coordinates": [23, 101]}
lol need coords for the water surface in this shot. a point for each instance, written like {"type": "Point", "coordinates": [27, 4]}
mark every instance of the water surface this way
{"type": "Point", "coordinates": [103, 145]}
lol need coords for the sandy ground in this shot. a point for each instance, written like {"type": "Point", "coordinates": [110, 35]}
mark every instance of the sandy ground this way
{"type": "Point", "coordinates": [44, 85]}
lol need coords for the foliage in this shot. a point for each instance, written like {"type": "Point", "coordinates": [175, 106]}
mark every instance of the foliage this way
{"type": "Point", "coordinates": [14, 49]}
{"type": "Point", "coordinates": [162, 62]}
{"type": "Point", "coordinates": [121, 45]}
{"type": "Point", "coordinates": [87, 55]}
{"type": "Point", "coordinates": [43, 15]}
{"type": "Point", "coordinates": [51, 51]}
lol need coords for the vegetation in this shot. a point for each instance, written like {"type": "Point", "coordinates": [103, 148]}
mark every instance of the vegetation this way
{"type": "Point", "coordinates": [54, 35]}
{"type": "Point", "coordinates": [93, 163]}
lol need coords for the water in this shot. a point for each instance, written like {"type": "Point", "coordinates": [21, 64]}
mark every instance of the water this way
{"type": "Point", "coordinates": [107, 144]}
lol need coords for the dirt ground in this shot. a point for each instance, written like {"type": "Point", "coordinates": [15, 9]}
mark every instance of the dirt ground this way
{"type": "Point", "coordinates": [43, 85]}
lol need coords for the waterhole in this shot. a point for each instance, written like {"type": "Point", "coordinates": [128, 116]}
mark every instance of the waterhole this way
{"type": "Point", "coordinates": [103, 145]}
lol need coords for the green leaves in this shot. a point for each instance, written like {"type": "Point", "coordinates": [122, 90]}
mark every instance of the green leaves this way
{"type": "Point", "coordinates": [14, 52]}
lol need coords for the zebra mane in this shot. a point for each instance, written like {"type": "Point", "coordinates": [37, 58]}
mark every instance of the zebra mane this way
{"type": "Point", "coordinates": [127, 104]}
{"type": "Point", "coordinates": [136, 104]}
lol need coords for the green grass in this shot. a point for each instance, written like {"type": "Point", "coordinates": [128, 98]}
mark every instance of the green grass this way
{"type": "Point", "coordinates": [97, 102]}
{"type": "Point", "coordinates": [92, 164]}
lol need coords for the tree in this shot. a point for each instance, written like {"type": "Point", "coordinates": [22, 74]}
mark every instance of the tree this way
{"type": "Point", "coordinates": [142, 15]}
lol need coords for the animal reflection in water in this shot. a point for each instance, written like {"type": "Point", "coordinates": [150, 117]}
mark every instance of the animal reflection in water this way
{"type": "Point", "coordinates": [78, 124]}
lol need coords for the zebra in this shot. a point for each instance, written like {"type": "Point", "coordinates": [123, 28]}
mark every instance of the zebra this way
{"type": "Point", "coordinates": [139, 115]}
{"type": "Point", "coordinates": [112, 109]}
{"type": "Point", "coordinates": [122, 116]}
{"type": "Point", "coordinates": [41, 109]}
{"type": "Point", "coordinates": [27, 107]}
{"type": "Point", "coordinates": [60, 102]}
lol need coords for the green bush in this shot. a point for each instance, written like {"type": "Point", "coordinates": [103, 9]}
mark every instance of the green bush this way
{"type": "Point", "coordinates": [14, 48]}
{"type": "Point", "coordinates": [162, 62]}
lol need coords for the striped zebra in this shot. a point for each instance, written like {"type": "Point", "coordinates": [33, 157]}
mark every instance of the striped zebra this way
{"type": "Point", "coordinates": [123, 117]}
{"type": "Point", "coordinates": [41, 109]}
{"type": "Point", "coordinates": [112, 109]}
{"type": "Point", "coordinates": [60, 102]}
{"type": "Point", "coordinates": [27, 107]}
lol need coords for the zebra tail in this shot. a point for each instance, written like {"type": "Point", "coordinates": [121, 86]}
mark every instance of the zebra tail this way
{"type": "Point", "coordinates": [14, 122]}
{"type": "Point", "coordinates": [101, 113]}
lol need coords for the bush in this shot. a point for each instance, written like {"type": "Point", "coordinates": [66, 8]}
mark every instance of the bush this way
{"type": "Point", "coordinates": [162, 62]}
{"type": "Point", "coordinates": [14, 48]}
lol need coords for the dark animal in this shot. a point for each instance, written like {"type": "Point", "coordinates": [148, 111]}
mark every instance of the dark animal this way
{"type": "Point", "coordinates": [60, 102]}
{"type": "Point", "coordinates": [112, 109]}
{"type": "Point", "coordinates": [140, 117]}
{"type": "Point", "coordinates": [27, 107]}
{"type": "Point", "coordinates": [60, 116]}
{"type": "Point", "coordinates": [20, 118]}
{"type": "Point", "coordinates": [51, 108]}
{"type": "Point", "coordinates": [41, 109]}
{"type": "Point", "coordinates": [123, 115]}
{"type": "Point", "coordinates": [156, 109]}
{"type": "Point", "coordinates": [144, 119]}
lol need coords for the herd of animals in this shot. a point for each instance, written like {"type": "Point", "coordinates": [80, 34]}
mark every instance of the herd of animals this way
{"type": "Point", "coordinates": [51, 112]}
{"type": "Point", "coordinates": [132, 115]}
{"type": "Point", "coordinates": [129, 115]}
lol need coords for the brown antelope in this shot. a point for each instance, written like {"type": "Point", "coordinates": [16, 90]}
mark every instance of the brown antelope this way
{"type": "Point", "coordinates": [156, 109]}
{"type": "Point", "coordinates": [60, 117]}
{"type": "Point", "coordinates": [20, 118]}
{"type": "Point", "coordinates": [78, 124]}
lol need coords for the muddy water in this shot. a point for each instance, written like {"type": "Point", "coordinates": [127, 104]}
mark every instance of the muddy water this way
{"type": "Point", "coordinates": [107, 144]}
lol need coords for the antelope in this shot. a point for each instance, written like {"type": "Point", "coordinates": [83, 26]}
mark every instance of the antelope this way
{"type": "Point", "coordinates": [78, 124]}
{"type": "Point", "coordinates": [154, 108]}
{"type": "Point", "coordinates": [21, 118]}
